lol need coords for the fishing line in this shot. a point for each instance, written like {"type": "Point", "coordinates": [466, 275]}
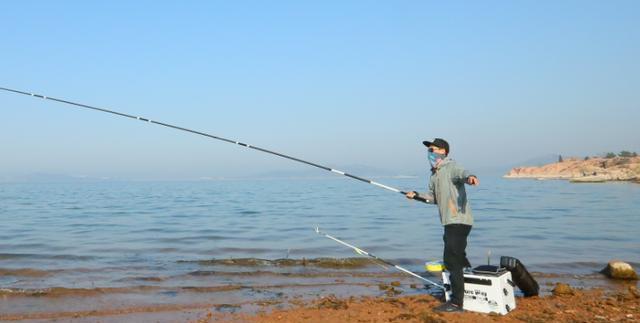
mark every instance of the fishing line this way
{"type": "Point", "coordinates": [386, 187]}
{"type": "Point", "coordinates": [364, 253]}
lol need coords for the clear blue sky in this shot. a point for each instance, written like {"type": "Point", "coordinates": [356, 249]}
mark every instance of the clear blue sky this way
{"type": "Point", "coordinates": [336, 82]}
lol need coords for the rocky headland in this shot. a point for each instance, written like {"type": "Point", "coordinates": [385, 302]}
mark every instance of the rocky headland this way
{"type": "Point", "coordinates": [594, 169]}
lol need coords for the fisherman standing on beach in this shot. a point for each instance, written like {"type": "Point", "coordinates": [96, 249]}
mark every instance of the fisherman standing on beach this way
{"type": "Point", "coordinates": [446, 189]}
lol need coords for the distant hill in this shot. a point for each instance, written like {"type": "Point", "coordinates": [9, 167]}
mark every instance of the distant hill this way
{"type": "Point", "coordinates": [596, 169]}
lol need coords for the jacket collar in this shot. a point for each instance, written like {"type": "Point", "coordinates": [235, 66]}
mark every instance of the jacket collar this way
{"type": "Point", "coordinates": [445, 161]}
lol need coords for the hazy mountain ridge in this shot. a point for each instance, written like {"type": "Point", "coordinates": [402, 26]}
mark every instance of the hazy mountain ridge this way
{"type": "Point", "coordinates": [596, 169]}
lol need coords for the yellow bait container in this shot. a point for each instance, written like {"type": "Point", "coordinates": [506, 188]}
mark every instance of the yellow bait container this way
{"type": "Point", "coordinates": [434, 266]}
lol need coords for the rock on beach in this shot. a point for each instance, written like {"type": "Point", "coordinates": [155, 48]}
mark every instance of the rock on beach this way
{"type": "Point", "coordinates": [617, 269]}
{"type": "Point", "coordinates": [562, 290]}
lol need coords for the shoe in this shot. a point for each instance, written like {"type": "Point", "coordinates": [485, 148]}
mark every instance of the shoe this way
{"type": "Point", "coordinates": [448, 307]}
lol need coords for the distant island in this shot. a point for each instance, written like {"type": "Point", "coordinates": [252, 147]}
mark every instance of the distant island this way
{"type": "Point", "coordinates": [611, 167]}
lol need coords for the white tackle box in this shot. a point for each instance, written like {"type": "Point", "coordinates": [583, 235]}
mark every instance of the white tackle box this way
{"type": "Point", "coordinates": [485, 292]}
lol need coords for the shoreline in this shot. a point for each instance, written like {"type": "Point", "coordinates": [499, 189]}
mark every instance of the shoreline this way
{"type": "Point", "coordinates": [383, 298]}
{"type": "Point", "coordinates": [585, 179]}
{"type": "Point", "coordinates": [621, 303]}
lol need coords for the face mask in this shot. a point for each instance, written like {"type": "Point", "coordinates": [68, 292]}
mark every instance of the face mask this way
{"type": "Point", "coordinates": [435, 158]}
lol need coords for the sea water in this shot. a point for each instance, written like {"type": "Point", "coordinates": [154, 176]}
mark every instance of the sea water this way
{"type": "Point", "coordinates": [119, 234]}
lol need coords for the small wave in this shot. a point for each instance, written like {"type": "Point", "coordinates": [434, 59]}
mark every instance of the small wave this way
{"type": "Point", "coordinates": [580, 265]}
{"type": "Point", "coordinates": [85, 292]}
{"type": "Point", "coordinates": [24, 272]}
{"type": "Point", "coordinates": [247, 212]}
{"type": "Point", "coordinates": [524, 217]}
{"type": "Point", "coordinates": [191, 239]}
{"type": "Point", "coordinates": [531, 237]}
{"type": "Point", "coordinates": [335, 263]}
{"type": "Point", "coordinates": [143, 279]}
{"type": "Point", "coordinates": [250, 251]}
{"type": "Point", "coordinates": [324, 274]}
{"type": "Point", "coordinates": [10, 256]}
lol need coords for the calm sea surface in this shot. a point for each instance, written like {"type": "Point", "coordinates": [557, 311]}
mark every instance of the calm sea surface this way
{"type": "Point", "coordinates": [112, 234]}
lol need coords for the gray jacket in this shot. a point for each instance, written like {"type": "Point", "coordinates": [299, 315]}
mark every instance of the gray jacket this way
{"type": "Point", "coordinates": [446, 189]}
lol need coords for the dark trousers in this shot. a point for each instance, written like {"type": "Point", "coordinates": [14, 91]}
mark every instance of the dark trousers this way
{"type": "Point", "coordinates": [455, 258]}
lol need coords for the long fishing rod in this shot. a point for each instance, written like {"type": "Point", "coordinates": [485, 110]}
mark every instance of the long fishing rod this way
{"type": "Point", "coordinates": [210, 136]}
{"type": "Point", "coordinates": [364, 253]}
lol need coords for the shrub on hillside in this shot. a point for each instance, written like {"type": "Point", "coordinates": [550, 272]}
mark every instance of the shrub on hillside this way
{"type": "Point", "coordinates": [625, 153]}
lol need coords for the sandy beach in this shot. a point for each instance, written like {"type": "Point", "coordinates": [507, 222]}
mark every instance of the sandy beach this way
{"type": "Point", "coordinates": [617, 305]}
{"type": "Point", "coordinates": [590, 298]}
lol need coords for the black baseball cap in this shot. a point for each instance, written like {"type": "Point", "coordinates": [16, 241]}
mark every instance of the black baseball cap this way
{"type": "Point", "coordinates": [438, 142]}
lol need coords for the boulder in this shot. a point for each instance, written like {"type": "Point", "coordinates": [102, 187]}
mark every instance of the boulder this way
{"type": "Point", "coordinates": [617, 269]}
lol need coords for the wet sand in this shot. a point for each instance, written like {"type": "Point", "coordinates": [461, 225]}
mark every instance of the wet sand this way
{"type": "Point", "coordinates": [593, 305]}
{"type": "Point", "coordinates": [328, 297]}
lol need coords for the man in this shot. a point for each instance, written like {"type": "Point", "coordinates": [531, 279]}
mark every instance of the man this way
{"type": "Point", "coordinates": [446, 189]}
